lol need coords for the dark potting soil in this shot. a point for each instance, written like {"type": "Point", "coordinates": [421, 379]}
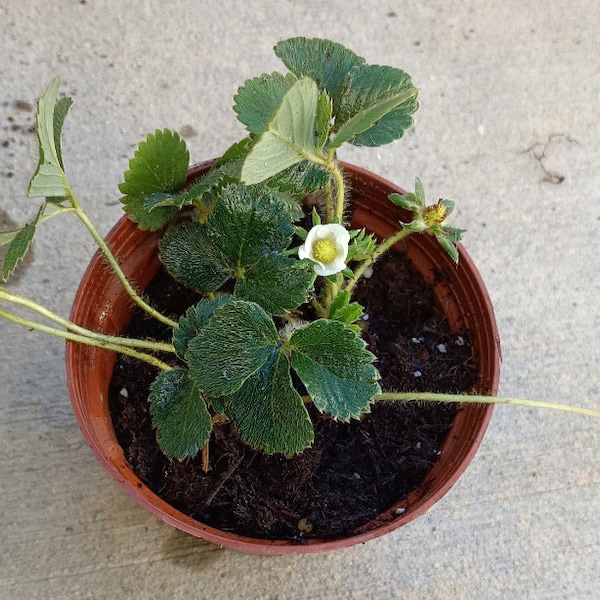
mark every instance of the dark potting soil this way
{"type": "Point", "coordinates": [353, 471]}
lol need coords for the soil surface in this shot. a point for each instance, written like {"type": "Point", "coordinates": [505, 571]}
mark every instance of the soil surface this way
{"type": "Point", "coordinates": [354, 470]}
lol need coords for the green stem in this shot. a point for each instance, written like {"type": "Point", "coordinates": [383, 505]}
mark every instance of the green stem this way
{"type": "Point", "coordinates": [379, 251]}
{"type": "Point", "coordinates": [117, 268]}
{"type": "Point", "coordinates": [475, 399]}
{"type": "Point", "coordinates": [329, 213]}
{"type": "Point", "coordinates": [6, 295]}
{"type": "Point", "coordinates": [340, 189]}
{"type": "Point", "coordinates": [82, 339]}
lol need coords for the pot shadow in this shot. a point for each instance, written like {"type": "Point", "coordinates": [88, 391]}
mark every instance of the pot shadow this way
{"type": "Point", "coordinates": [190, 553]}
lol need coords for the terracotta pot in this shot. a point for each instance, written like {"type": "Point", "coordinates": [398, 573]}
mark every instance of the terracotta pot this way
{"type": "Point", "coordinates": [102, 305]}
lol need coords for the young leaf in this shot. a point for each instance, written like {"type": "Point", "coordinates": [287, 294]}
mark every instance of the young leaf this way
{"type": "Point", "coordinates": [343, 310]}
{"type": "Point", "coordinates": [373, 106]}
{"type": "Point", "coordinates": [408, 201]}
{"type": "Point", "coordinates": [179, 413]}
{"type": "Point", "coordinates": [19, 245]}
{"type": "Point", "coordinates": [290, 135]}
{"type": "Point", "coordinates": [191, 257]}
{"type": "Point", "coordinates": [276, 284]}
{"type": "Point", "coordinates": [238, 340]}
{"type": "Point", "coordinates": [335, 367]}
{"type": "Point", "coordinates": [323, 120]}
{"type": "Point", "coordinates": [269, 412]}
{"type": "Point", "coordinates": [324, 61]}
{"type": "Point", "coordinates": [49, 180]}
{"type": "Point", "coordinates": [258, 99]}
{"type": "Point", "coordinates": [159, 165]}
{"type": "Point", "coordinates": [195, 318]}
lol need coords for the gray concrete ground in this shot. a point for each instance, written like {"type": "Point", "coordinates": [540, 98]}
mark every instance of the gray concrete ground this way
{"type": "Point", "coordinates": [509, 126]}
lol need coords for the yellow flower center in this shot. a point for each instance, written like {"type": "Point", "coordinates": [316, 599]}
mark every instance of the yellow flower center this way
{"type": "Point", "coordinates": [434, 215]}
{"type": "Point", "coordinates": [324, 250]}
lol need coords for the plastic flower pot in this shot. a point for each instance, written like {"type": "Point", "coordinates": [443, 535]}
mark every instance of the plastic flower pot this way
{"type": "Point", "coordinates": [102, 304]}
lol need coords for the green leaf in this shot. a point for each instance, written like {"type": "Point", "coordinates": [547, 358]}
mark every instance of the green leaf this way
{"type": "Point", "coordinates": [276, 284]}
{"type": "Point", "coordinates": [19, 245]}
{"type": "Point", "coordinates": [6, 237]}
{"type": "Point", "coordinates": [408, 202]}
{"type": "Point", "coordinates": [147, 219]}
{"type": "Point", "coordinates": [269, 412]}
{"type": "Point", "coordinates": [198, 192]}
{"type": "Point", "coordinates": [248, 223]}
{"type": "Point", "coordinates": [419, 192]}
{"type": "Point", "coordinates": [239, 339]}
{"type": "Point", "coordinates": [322, 60]}
{"type": "Point", "coordinates": [195, 318]}
{"type": "Point", "coordinates": [244, 225]}
{"type": "Point", "coordinates": [60, 113]}
{"type": "Point", "coordinates": [299, 180]}
{"type": "Point", "coordinates": [343, 310]}
{"type": "Point", "coordinates": [49, 180]}
{"type": "Point", "coordinates": [258, 99]}
{"type": "Point", "coordinates": [191, 257]}
{"type": "Point", "coordinates": [48, 209]}
{"type": "Point", "coordinates": [290, 135]}
{"type": "Point", "coordinates": [179, 413]}
{"type": "Point", "coordinates": [373, 106]}
{"type": "Point", "coordinates": [363, 245]}
{"type": "Point", "coordinates": [449, 247]}
{"type": "Point", "coordinates": [335, 367]}
{"type": "Point", "coordinates": [323, 119]}
{"type": "Point", "coordinates": [159, 165]}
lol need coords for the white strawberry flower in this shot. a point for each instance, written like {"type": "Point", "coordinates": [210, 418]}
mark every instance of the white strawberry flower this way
{"type": "Point", "coordinates": [327, 246]}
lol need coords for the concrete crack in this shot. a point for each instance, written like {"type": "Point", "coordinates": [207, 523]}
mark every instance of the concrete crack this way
{"type": "Point", "coordinates": [539, 150]}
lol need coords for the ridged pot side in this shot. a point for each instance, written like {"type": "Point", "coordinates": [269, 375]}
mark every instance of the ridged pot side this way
{"type": "Point", "coordinates": [102, 304]}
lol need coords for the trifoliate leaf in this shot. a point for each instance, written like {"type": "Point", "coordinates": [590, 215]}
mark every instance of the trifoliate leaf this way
{"type": "Point", "coordinates": [49, 180]}
{"type": "Point", "coordinates": [191, 257]}
{"type": "Point", "coordinates": [324, 61]}
{"type": "Point", "coordinates": [269, 412]}
{"type": "Point", "coordinates": [276, 284]}
{"type": "Point", "coordinates": [239, 339]}
{"type": "Point", "coordinates": [335, 367]}
{"type": "Point", "coordinates": [258, 99]}
{"type": "Point", "coordinates": [373, 106]}
{"type": "Point", "coordinates": [244, 225]}
{"type": "Point", "coordinates": [179, 413]}
{"type": "Point", "coordinates": [159, 165]}
{"type": "Point", "coordinates": [290, 135]}
{"type": "Point", "coordinates": [195, 318]}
